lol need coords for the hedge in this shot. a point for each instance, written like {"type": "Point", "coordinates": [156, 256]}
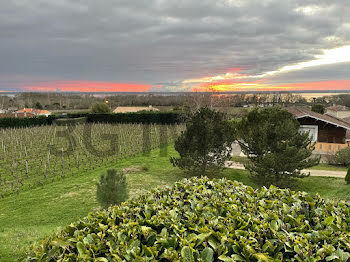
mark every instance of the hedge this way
{"type": "Point", "coordinates": [199, 219]}
{"type": "Point", "coordinates": [26, 122]}
{"type": "Point", "coordinates": [142, 117]}
{"type": "Point", "coordinates": [70, 121]}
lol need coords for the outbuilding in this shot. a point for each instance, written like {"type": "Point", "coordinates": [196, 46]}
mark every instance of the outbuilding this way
{"type": "Point", "coordinates": [338, 111]}
{"type": "Point", "coordinates": [327, 131]}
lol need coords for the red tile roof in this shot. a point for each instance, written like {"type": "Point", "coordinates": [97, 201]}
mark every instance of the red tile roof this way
{"type": "Point", "coordinates": [27, 110]}
{"type": "Point", "coordinates": [34, 111]}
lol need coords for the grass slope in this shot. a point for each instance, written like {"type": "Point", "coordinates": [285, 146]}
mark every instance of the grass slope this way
{"type": "Point", "coordinates": [31, 215]}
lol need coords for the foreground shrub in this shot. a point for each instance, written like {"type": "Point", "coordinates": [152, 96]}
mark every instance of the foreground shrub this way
{"type": "Point", "coordinates": [207, 220]}
{"type": "Point", "coordinates": [342, 157]}
{"type": "Point", "coordinates": [112, 188]}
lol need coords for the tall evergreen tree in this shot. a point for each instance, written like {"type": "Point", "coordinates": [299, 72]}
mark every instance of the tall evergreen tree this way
{"type": "Point", "coordinates": [277, 151]}
{"type": "Point", "coordinates": [205, 145]}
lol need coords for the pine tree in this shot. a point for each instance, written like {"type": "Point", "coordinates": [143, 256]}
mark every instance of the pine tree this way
{"type": "Point", "coordinates": [206, 143]}
{"type": "Point", "coordinates": [112, 188]}
{"type": "Point", "coordinates": [277, 151]}
{"type": "Point", "coordinates": [347, 177]}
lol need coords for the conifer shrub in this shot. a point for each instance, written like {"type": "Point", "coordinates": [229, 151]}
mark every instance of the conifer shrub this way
{"type": "Point", "coordinates": [347, 177]}
{"type": "Point", "coordinates": [199, 219]}
{"type": "Point", "coordinates": [112, 188]}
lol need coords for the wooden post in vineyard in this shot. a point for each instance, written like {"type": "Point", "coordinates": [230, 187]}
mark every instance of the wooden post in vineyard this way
{"type": "Point", "coordinates": [62, 164]}
{"type": "Point", "coordinates": [163, 141]}
{"type": "Point", "coordinates": [146, 139]}
{"type": "Point", "coordinates": [48, 159]}
{"type": "Point", "coordinates": [27, 172]}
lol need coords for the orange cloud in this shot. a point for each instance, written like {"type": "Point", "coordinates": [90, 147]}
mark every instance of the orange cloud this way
{"type": "Point", "coordinates": [318, 85]}
{"type": "Point", "coordinates": [236, 84]}
{"type": "Point", "coordinates": [86, 86]}
{"type": "Point", "coordinates": [259, 85]}
{"type": "Point", "coordinates": [232, 74]}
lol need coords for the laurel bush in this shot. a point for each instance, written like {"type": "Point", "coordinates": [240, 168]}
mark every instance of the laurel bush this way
{"type": "Point", "coordinates": [199, 219]}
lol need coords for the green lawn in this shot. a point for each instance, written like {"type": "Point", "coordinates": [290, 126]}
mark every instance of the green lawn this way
{"type": "Point", "coordinates": [323, 166]}
{"type": "Point", "coordinates": [329, 167]}
{"type": "Point", "coordinates": [240, 159]}
{"type": "Point", "coordinates": [32, 215]}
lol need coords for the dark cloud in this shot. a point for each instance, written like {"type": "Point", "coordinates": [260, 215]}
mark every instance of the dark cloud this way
{"type": "Point", "coordinates": [163, 40]}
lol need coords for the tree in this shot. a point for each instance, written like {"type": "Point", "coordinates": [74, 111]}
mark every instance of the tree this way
{"type": "Point", "coordinates": [347, 177]}
{"type": "Point", "coordinates": [38, 105]}
{"type": "Point", "coordinates": [205, 145]}
{"type": "Point", "coordinates": [56, 105]}
{"type": "Point", "coordinates": [342, 157]}
{"type": "Point", "coordinates": [276, 149]}
{"type": "Point", "coordinates": [112, 188]}
{"type": "Point", "coordinates": [318, 108]}
{"type": "Point", "coordinates": [100, 108]}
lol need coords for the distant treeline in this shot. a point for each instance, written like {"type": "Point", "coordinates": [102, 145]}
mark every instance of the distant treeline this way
{"type": "Point", "coordinates": [138, 117]}
{"type": "Point", "coordinates": [64, 101]}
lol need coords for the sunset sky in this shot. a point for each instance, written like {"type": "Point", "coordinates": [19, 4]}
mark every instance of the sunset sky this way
{"type": "Point", "coordinates": [182, 45]}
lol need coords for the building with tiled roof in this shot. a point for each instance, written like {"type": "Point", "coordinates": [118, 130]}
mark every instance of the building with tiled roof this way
{"type": "Point", "coordinates": [133, 109]}
{"type": "Point", "coordinates": [36, 112]}
{"type": "Point", "coordinates": [338, 111]}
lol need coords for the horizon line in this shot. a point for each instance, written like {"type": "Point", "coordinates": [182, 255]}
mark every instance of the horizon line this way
{"type": "Point", "coordinates": [188, 92]}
